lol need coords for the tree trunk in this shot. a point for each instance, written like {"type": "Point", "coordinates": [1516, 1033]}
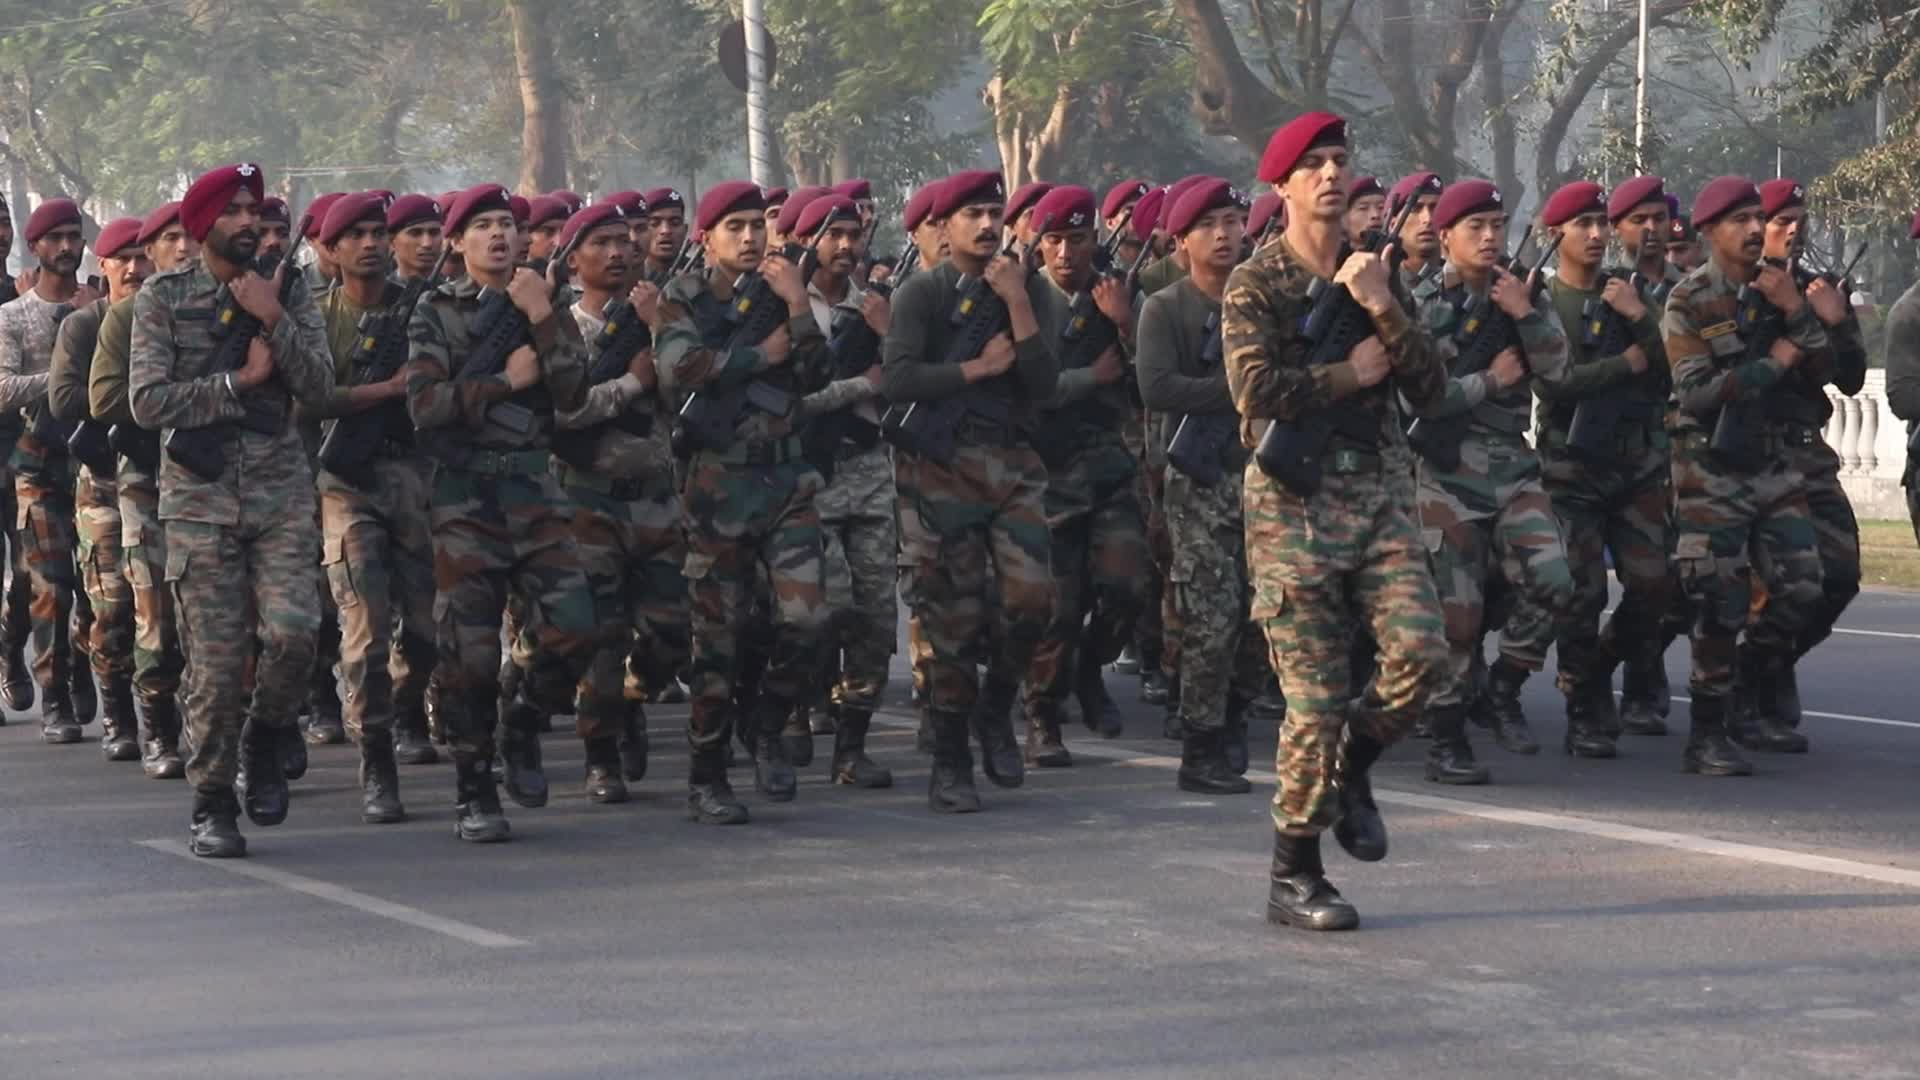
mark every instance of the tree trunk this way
{"type": "Point", "coordinates": [1601, 53]}
{"type": "Point", "coordinates": [1228, 98]}
{"type": "Point", "coordinates": [543, 129]}
{"type": "Point", "coordinates": [1493, 85]}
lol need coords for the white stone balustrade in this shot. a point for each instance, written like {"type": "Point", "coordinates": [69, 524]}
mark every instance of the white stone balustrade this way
{"type": "Point", "coordinates": [1872, 444]}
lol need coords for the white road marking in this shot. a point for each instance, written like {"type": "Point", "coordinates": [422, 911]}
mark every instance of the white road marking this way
{"type": "Point", "coordinates": [1833, 716]}
{"type": "Point", "coordinates": [1877, 633]}
{"type": "Point", "coordinates": [340, 894]}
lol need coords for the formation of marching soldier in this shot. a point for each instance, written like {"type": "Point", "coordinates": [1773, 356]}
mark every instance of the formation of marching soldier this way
{"type": "Point", "coordinates": [672, 450]}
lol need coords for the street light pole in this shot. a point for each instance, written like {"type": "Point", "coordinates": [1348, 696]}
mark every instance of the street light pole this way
{"type": "Point", "coordinates": [753, 16]}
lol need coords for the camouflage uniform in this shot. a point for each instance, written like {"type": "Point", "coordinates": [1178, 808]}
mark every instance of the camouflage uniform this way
{"type": "Point", "coordinates": [1615, 503]}
{"type": "Point", "coordinates": [973, 533]}
{"type": "Point", "coordinates": [43, 487]}
{"type": "Point", "coordinates": [501, 522]}
{"type": "Point", "coordinates": [240, 555]}
{"type": "Point", "coordinates": [1344, 558]}
{"type": "Point", "coordinates": [1645, 697]}
{"type": "Point", "coordinates": [1733, 522]}
{"type": "Point", "coordinates": [750, 523]}
{"type": "Point", "coordinates": [1492, 509]}
{"type": "Point", "coordinates": [157, 660]}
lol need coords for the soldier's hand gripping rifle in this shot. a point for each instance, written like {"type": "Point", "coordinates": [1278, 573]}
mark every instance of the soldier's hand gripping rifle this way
{"type": "Point", "coordinates": [349, 443]}
{"type": "Point", "coordinates": [613, 350]}
{"type": "Point", "coordinates": [500, 328]}
{"type": "Point", "coordinates": [709, 416]}
{"type": "Point", "coordinates": [1603, 332]}
{"type": "Point", "coordinates": [202, 451]}
{"type": "Point", "coordinates": [1200, 439]}
{"type": "Point", "coordinates": [1293, 451]}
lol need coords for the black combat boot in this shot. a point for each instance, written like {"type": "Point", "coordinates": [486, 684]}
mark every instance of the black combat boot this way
{"type": "Point", "coordinates": [1046, 748]}
{"type": "Point", "coordinates": [477, 816]}
{"type": "Point", "coordinates": [1588, 733]}
{"type": "Point", "coordinates": [293, 751]}
{"type": "Point", "coordinates": [411, 743]}
{"type": "Point", "coordinates": [851, 765]}
{"type": "Point", "coordinates": [1709, 752]}
{"type": "Point", "coordinates": [1098, 710]}
{"type": "Point", "coordinates": [1204, 768]}
{"type": "Point", "coordinates": [324, 725]}
{"type": "Point", "coordinates": [604, 782]}
{"type": "Point", "coordinates": [992, 723]}
{"type": "Point", "coordinates": [1171, 726]}
{"type": "Point", "coordinates": [710, 798]}
{"type": "Point", "coordinates": [772, 773]}
{"type": "Point", "coordinates": [1360, 829]}
{"type": "Point", "coordinates": [215, 833]}
{"type": "Point", "coordinates": [1644, 696]}
{"type": "Point", "coordinates": [633, 743]}
{"type": "Point", "coordinates": [120, 739]}
{"type": "Point", "coordinates": [796, 736]}
{"type": "Point", "coordinates": [950, 787]}
{"type": "Point", "coordinates": [85, 697]}
{"type": "Point", "coordinates": [379, 780]}
{"type": "Point", "coordinates": [57, 722]}
{"type": "Point", "coordinates": [1754, 716]}
{"type": "Point", "coordinates": [1510, 730]}
{"type": "Point", "coordinates": [1298, 892]}
{"type": "Point", "coordinates": [1233, 732]}
{"type": "Point", "coordinates": [1450, 758]}
{"type": "Point", "coordinates": [16, 677]}
{"type": "Point", "coordinates": [524, 777]}
{"type": "Point", "coordinates": [262, 780]}
{"type": "Point", "coordinates": [160, 754]}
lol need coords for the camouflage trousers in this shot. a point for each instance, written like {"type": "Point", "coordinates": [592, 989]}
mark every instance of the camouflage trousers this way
{"type": "Point", "coordinates": [862, 549]}
{"type": "Point", "coordinates": [47, 537]}
{"type": "Point", "coordinates": [1324, 568]}
{"type": "Point", "coordinates": [1730, 525]}
{"type": "Point", "coordinates": [1223, 654]}
{"type": "Point", "coordinates": [495, 534]}
{"type": "Point", "coordinates": [376, 553]}
{"type": "Point", "coordinates": [16, 623]}
{"type": "Point", "coordinates": [1099, 561]}
{"type": "Point", "coordinates": [1156, 629]}
{"type": "Point", "coordinates": [1475, 527]}
{"type": "Point", "coordinates": [973, 536]}
{"type": "Point", "coordinates": [751, 529]}
{"type": "Point", "coordinates": [633, 553]}
{"type": "Point", "coordinates": [247, 605]}
{"type": "Point", "coordinates": [1620, 507]}
{"type": "Point", "coordinates": [102, 572]}
{"type": "Point", "coordinates": [157, 659]}
{"type": "Point", "coordinates": [1836, 537]}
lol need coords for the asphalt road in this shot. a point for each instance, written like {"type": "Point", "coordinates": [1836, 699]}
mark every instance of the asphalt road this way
{"type": "Point", "coordinates": [1576, 919]}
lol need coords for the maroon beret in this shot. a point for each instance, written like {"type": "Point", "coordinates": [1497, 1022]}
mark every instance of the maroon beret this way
{"type": "Point", "coordinates": [1631, 193]}
{"type": "Point", "coordinates": [1120, 195]}
{"type": "Point", "coordinates": [1026, 197]}
{"type": "Point", "coordinates": [207, 198]}
{"type": "Point", "coordinates": [385, 195]}
{"type": "Point", "coordinates": [774, 195]}
{"type": "Point", "coordinates": [546, 210]}
{"type": "Point", "coordinates": [1266, 208]}
{"type": "Point", "coordinates": [726, 198]}
{"type": "Point", "coordinates": [632, 203]}
{"type": "Point", "coordinates": [49, 216]}
{"type": "Point", "coordinates": [155, 223]}
{"type": "Point", "coordinates": [316, 212]}
{"type": "Point", "coordinates": [479, 199]}
{"type": "Point", "coordinates": [1412, 186]}
{"type": "Point", "coordinates": [446, 199]}
{"type": "Point", "coordinates": [1146, 214]}
{"type": "Point", "coordinates": [1781, 194]}
{"type": "Point", "coordinates": [1572, 200]}
{"type": "Point", "coordinates": [572, 200]}
{"type": "Point", "coordinates": [1201, 199]}
{"type": "Point", "coordinates": [584, 221]}
{"type": "Point", "coordinates": [1465, 197]}
{"type": "Point", "coordinates": [796, 202]}
{"type": "Point", "coordinates": [1067, 207]}
{"type": "Point", "coordinates": [1721, 195]}
{"type": "Point", "coordinates": [348, 211]}
{"type": "Point", "coordinates": [1364, 186]}
{"type": "Point", "coordinates": [1301, 134]}
{"type": "Point", "coordinates": [274, 208]}
{"type": "Point", "coordinates": [822, 211]}
{"type": "Point", "coordinates": [968, 188]}
{"type": "Point", "coordinates": [920, 206]}
{"type": "Point", "coordinates": [118, 235]}
{"type": "Point", "coordinates": [412, 210]}
{"type": "Point", "coordinates": [856, 189]}
{"type": "Point", "coordinates": [1174, 192]}
{"type": "Point", "coordinates": [1673, 206]}
{"type": "Point", "coordinates": [665, 198]}
{"type": "Point", "coordinates": [522, 208]}
{"type": "Point", "coordinates": [1678, 231]}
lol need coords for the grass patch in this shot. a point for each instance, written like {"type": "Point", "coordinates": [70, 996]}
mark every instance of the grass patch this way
{"type": "Point", "coordinates": [1888, 554]}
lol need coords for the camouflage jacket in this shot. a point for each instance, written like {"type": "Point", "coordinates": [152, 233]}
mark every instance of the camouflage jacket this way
{"type": "Point", "coordinates": [28, 326]}
{"type": "Point", "coordinates": [1443, 303]}
{"type": "Point", "coordinates": [619, 453]}
{"type": "Point", "coordinates": [450, 411]}
{"type": "Point", "coordinates": [1711, 366]}
{"type": "Point", "coordinates": [171, 385]}
{"type": "Point", "coordinates": [1261, 320]}
{"type": "Point", "coordinates": [72, 360]}
{"type": "Point", "coordinates": [690, 354]}
{"type": "Point", "coordinates": [853, 391]}
{"type": "Point", "coordinates": [914, 364]}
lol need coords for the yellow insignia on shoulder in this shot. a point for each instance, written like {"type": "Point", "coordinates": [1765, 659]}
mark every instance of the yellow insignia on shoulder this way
{"type": "Point", "coordinates": [1718, 330]}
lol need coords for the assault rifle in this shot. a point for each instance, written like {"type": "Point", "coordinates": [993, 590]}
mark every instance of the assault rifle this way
{"type": "Point", "coordinates": [202, 451]}
{"type": "Point", "coordinates": [1603, 332]}
{"type": "Point", "coordinates": [613, 350]}
{"type": "Point", "coordinates": [930, 429]}
{"type": "Point", "coordinates": [1293, 451]}
{"type": "Point", "coordinates": [500, 327]}
{"type": "Point", "coordinates": [709, 416]}
{"type": "Point", "coordinates": [1200, 439]}
{"type": "Point", "coordinates": [349, 443]}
